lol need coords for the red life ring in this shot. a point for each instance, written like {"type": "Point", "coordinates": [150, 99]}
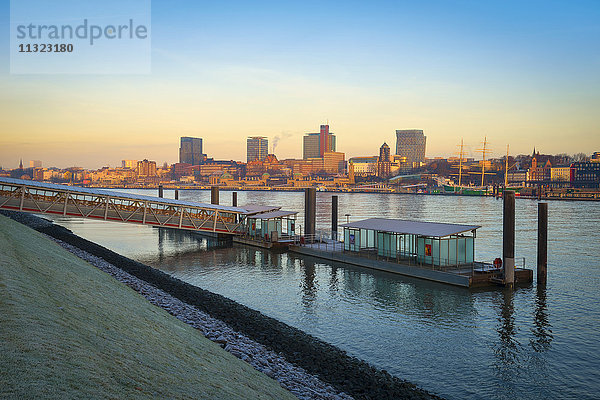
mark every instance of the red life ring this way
{"type": "Point", "coordinates": [498, 262]}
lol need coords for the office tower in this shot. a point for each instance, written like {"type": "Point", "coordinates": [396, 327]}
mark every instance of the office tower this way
{"type": "Point", "coordinates": [146, 168]}
{"type": "Point", "coordinates": [315, 145]}
{"type": "Point", "coordinates": [257, 148]}
{"type": "Point", "coordinates": [130, 164]}
{"type": "Point", "coordinates": [410, 143]}
{"type": "Point", "coordinates": [190, 151]}
{"type": "Point", "coordinates": [384, 164]}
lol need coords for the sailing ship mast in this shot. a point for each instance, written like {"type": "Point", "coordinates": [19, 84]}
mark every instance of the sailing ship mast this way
{"type": "Point", "coordinates": [460, 157]}
{"type": "Point", "coordinates": [484, 151]}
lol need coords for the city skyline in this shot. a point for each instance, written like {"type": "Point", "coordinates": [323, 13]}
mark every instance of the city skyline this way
{"type": "Point", "coordinates": [522, 74]}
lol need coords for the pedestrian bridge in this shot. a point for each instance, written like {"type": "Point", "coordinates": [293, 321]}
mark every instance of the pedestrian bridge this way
{"type": "Point", "coordinates": [48, 198]}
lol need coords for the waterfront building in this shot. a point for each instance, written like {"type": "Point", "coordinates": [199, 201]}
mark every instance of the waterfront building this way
{"type": "Point", "coordinates": [585, 174]}
{"type": "Point", "coordinates": [316, 144]}
{"type": "Point", "coordinates": [257, 148]}
{"type": "Point", "coordinates": [410, 143]}
{"type": "Point", "coordinates": [334, 162]}
{"type": "Point", "coordinates": [364, 166]}
{"type": "Point", "coordinates": [518, 176]}
{"type": "Point", "coordinates": [540, 170]}
{"type": "Point", "coordinates": [560, 174]}
{"type": "Point", "coordinates": [190, 151]}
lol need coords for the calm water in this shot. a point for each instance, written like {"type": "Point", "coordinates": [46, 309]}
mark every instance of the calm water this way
{"type": "Point", "coordinates": [527, 343]}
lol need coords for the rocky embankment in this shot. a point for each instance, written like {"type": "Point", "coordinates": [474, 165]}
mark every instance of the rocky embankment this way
{"type": "Point", "coordinates": [305, 365]}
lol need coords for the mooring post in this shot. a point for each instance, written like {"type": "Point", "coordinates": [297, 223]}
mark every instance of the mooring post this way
{"type": "Point", "coordinates": [508, 239]}
{"type": "Point", "coordinates": [542, 256]}
{"type": "Point", "coordinates": [160, 191]}
{"type": "Point", "coordinates": [334, 217]}
{"type": "Point", "coordinates": [176, 194]}
{"type": "Point", "coordinates": [234, 199]}
{"type": "Point", "coordinates": [310, 215]}
{"type": "Point", "coordinates": [214, 195]}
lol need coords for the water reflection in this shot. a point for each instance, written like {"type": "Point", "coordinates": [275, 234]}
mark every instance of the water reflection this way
{"type": "Point", "coordinates": [542, 330]}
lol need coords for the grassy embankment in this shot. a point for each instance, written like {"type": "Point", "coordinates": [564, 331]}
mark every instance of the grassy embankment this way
{"type": "Point", "coordinates": [67, 330]}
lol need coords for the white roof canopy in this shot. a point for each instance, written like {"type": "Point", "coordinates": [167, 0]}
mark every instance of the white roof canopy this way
{"type": "Point", "coordinates": [431, 229]}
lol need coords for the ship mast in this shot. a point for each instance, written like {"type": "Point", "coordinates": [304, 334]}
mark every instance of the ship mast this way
{"type": "Point", "coordinates": [484, 151]}
{"type": "Point", "coordinates": [460, 162]}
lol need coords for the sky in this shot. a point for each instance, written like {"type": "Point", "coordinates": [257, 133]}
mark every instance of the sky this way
{"type": "Point", "coordinates": [521, 73]}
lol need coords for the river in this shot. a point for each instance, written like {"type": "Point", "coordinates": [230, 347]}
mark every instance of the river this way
{"type": "Point", "coordinates": [531, 342]}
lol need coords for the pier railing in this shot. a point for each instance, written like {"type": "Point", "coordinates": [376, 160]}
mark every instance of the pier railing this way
{"type": "Point", "coordinates": [323, 243]}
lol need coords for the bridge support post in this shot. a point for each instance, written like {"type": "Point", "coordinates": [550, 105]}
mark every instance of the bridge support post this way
{"type": "Point", "coordinates": [508, 238]}
{"type": "Point", "coordinates": [310, 215]}
{"type": "Point", "coordinates": [334, 217]}
{"type": "Point", "coordinates": [234, 199]}
{"type": "Point", "coordinates": [214, 195]}
{"type": "Point", "coordinates": [542, 247]}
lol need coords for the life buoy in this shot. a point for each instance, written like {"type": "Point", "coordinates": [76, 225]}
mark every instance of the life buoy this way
{"type": "Point", "coordinates": [498, 262]}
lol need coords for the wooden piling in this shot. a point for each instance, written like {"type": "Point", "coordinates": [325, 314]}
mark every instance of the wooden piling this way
{"type": "Point", "coordinates": [214, 195]}
{"type": "Point", "coordinates": [310, 215]}
{"type": "Point", "coordinates": [234, 199]}
{"type": "Point", "coordinates": [160, 191]}
{"type": "Point", "coordinates": [542, 247]}
{"type": "Point", "coordinates": [508, 238]}
{"type": "Point", "coordinates": [176, 194]}
{"type": "Point", "coordinates": [334, 217]}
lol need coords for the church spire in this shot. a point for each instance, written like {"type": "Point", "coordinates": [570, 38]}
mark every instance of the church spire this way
{"type": "Point", "coordinates": [21, 164]}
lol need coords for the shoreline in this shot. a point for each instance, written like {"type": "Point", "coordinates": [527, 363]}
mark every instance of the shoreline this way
{"type": "Point", "coordinates": [331, 365]}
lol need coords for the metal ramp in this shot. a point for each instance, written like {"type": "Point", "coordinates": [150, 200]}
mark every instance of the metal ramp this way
{"type": "Point", "coordinates": [74, 201]}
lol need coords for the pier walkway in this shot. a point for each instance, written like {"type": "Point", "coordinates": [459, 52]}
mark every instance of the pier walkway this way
{"type": "Point", "coordinates": [74, 201]}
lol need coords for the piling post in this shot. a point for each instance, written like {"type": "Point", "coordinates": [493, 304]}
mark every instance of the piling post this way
{"type": "Point", "coordinates": [176, 194]}
{"type": "Point", "coordinates": [234, 199]}
{"type": "Point", "coordinates": [508, 237]}
{"type": "Point", "coordinates": [310, 215]}
{"type": "Point", "coordinates": [542, 249]}
{"type": "Point", "coordinates": [334, 217]}
{"type": "Point", "coordinates": [214, 195]}
{"type": "Point", "coordinates": [160, 191]}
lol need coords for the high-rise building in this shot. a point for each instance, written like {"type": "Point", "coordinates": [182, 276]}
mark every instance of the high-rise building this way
{"type": "Point", "coordinates": [257, 148]}
{"type": "Point", "coordinates": [35, 164]}
{"type": "Point", "coordinates": [384, 164]}
{"type": "Point", "coordinates": [146, 168]}
{"type": "Point", "coordinates": [315, 145]}
{"type": "Point", "coordinates": [130, 164]}
{"type": "Point", "coordinates": [410, 143]}
{"type": "Point", "coordinates": [190, 151]}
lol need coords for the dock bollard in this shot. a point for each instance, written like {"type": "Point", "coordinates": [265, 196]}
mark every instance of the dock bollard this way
{"type": "Point", "coordinates": [508, 238]}
{"type": "Point", "coordinates": [310, 215]}
{"type": "Point", "coordinates": [542, 249]}
{"type": "Point", "coordinates": [334, 217]}
{"type": "Point", "coordinates": [214, 195]}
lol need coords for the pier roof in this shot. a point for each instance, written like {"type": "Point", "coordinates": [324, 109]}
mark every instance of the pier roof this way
{"type": "Point", "coordinates": [273, 214]}
{"type": "Point", "coordinates": [257, 208]}
{"type": "Point", "coordinates": [431, 229]}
